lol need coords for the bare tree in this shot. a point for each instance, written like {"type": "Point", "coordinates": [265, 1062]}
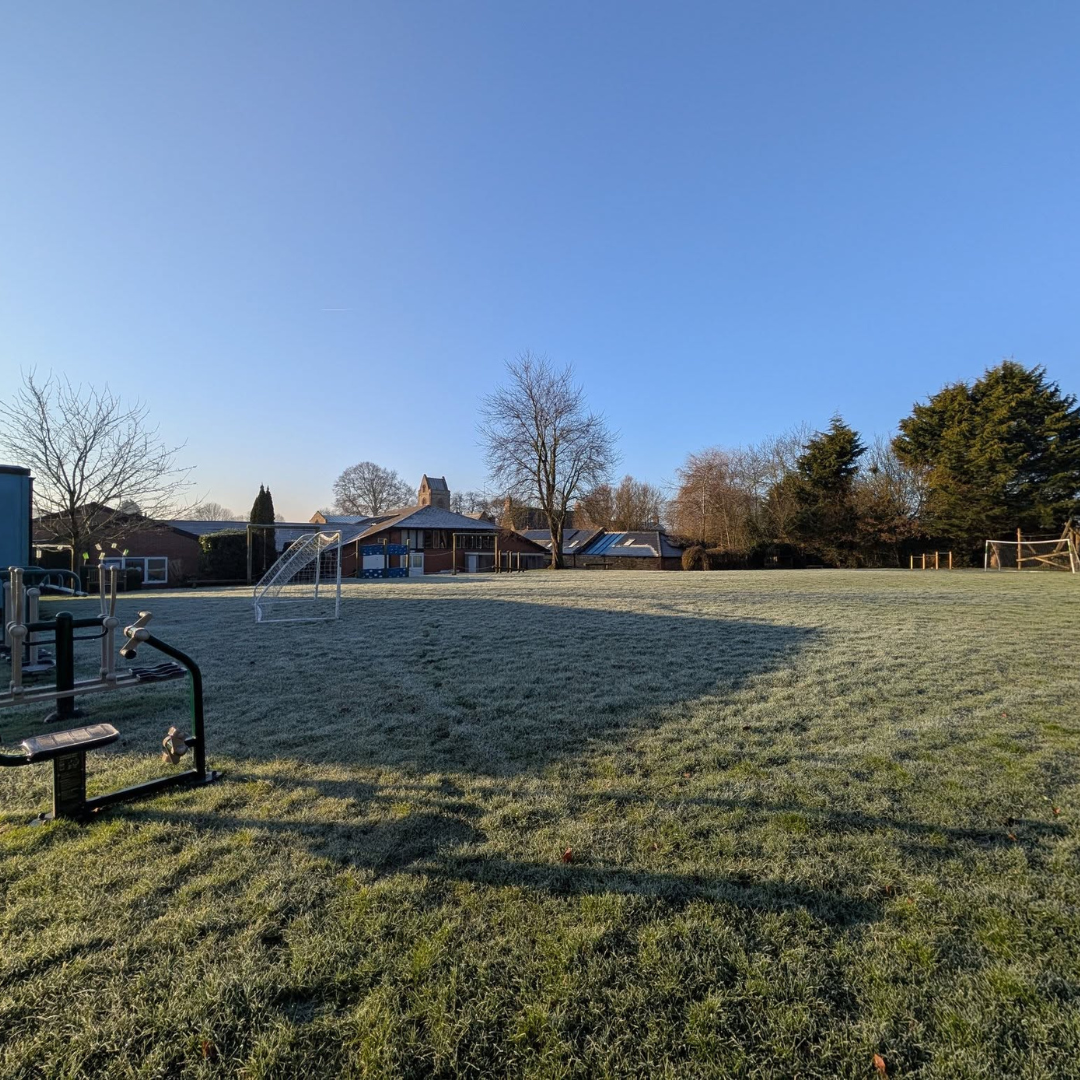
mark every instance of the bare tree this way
{"type": "Point", "coordinates": [631, 505]}
{"type": "Point", "coordinates": [542, 443]}
{"type": "Point", "coordinates": [890, 497]}
{"type": "Point", "coordinates": [367, 488]}
{"type": "Point", "coordinates": [213, 511]}
{"type": "Point", "coordinates": [90, 455]}
{"type": "Point", "coordinates": [732, 498]}
{"type": "Point", "coordinates": [477, 502]}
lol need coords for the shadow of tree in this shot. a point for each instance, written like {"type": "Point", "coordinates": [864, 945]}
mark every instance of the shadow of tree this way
{"type": "Point", "coordinates": [474, 685]}
{"type": "Point", "coordinates": [442, 846]}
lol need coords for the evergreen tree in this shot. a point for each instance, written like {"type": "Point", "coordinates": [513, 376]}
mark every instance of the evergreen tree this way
{"type": "Point", "coordinates": [825, 522]}
{"type": "Point", "coordinates": [264, 549]}
{"type": "Point", "coordinates": [1000, 454]}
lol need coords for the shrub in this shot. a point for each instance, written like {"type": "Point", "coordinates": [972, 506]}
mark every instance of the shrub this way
{"type": "Point", "coordinates": [694, 558]}
{"type": "Point", "coordinates": [223, 555]}
{"type": "Point", "coordinates": [722, 559]}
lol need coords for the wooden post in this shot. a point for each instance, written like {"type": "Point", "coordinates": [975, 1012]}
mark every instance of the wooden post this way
{"type": "Point", "coordinates": [1019, 549]}
{"type": "Point", "coordinates": [912, 562]}
{"type": "Point", "coordinates": [937, 561]}
{"type": "Point", "coordinates": [924, 560]}
{"type": "Point", "coordinates": [453, 555]}
{"type": "Point", "coordinates": [950, 560]}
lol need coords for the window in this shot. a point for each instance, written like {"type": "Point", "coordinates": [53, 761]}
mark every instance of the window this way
{"type": "Point", "coordinates": [155, 568]}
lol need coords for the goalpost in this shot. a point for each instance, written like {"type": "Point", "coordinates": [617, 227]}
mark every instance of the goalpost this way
{"type": "Point", "coordinates": [1031, 555]}
{"type": "Point", "coordinates": [304, 585]}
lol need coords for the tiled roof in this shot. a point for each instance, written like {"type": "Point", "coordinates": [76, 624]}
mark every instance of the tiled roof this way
{"type": "Point", "coordinates": [435, 483]}
{"type": "Point", "coordinates": [633, 545]}
{"type": "Point", "coordinates": [431, 517]}
{"type": "Point", "coordinates": [574, 541]}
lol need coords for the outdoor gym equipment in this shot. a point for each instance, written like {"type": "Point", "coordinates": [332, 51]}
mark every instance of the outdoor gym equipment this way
{"type": "Point", "coordinates": [34, 581]}
{"type": "Point", "coordinates": [67, 749]}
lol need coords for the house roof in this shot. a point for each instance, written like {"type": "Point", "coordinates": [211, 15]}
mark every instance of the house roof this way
{"type": "Point", "coordinates": [574, 541]}
{"type": "Point", "coordinates": [430, 517]}
{"type": "Point", "coordinates": [633, 545]}
{"type": "Point", "coordinates": [434, 483]}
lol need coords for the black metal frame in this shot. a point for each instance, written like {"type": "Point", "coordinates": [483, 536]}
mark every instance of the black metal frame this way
{"type": "Point", "coordinates": [197, 775]}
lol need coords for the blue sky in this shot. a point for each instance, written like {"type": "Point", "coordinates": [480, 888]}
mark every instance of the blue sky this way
{"type": "Point", "coordinates": [731, 218]}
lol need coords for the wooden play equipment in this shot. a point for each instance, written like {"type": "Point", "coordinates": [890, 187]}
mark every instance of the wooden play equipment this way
{"type": "Point", "coordinates": [931, 560]}
{"type": "Point", "coordinates": [1032, 554]}
{"type": "Point", "coordinates": [67, 748]}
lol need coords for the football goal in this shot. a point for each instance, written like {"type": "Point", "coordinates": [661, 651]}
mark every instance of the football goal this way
{"type": "Point", "coordinates": [1057, 554]}
{"type": "Point", "coordinates": [304, 585]}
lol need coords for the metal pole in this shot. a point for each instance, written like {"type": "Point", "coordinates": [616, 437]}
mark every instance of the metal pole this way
{"type": "Point", "coordinates": [32, 596]}
{"type": "Point", "coordinates": [65, 670]}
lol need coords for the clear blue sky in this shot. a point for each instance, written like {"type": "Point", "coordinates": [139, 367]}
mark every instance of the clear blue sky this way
{"type": "Point", "coordinates": [729, 217]}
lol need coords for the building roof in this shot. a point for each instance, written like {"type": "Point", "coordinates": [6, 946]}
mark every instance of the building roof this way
{"type": "Point", "coordinates": [206, 528]}
{"type": "Point", "coordinates": [434, 483]}
{"type": "Point", "coordinates": [345, 519]}
{"type": "Point", "coordinates": [574, 541]}
{"type": "Point", "coordinates": [285, 532]}
{"type": "Point", "coordinates": [430, 517]}
{"type": "Point", "coordinates": [634, 545]}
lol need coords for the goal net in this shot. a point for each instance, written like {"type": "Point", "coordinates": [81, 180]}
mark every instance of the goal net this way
{"type": "Point", "coordinates": [1031, 555]}
{"type": "Point", "coordinates": [304, 584]}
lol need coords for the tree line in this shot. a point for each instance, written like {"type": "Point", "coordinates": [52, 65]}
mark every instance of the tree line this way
{"type": "Point", "coordinates": [975, 461]}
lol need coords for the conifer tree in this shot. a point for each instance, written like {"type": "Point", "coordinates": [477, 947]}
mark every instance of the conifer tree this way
{"type": "Point", "coordinates": [1000, 454]}
{"type": "Point", "coordinates": [825, 522]}
{"type": "Point", "coordinates": [264, 550]}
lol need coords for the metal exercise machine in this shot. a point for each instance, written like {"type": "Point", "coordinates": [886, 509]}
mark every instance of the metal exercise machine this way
{"type": "Point", "coordinates": [67, 749]}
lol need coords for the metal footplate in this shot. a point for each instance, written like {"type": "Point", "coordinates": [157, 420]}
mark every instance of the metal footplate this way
{"type": "Point", "coordinates": [75, 741]}
{"type": "Point", "coordinates": [160, 673]}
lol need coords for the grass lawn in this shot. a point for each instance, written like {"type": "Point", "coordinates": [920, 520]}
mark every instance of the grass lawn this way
{"type": "Point", "coordinates": [808, 817]}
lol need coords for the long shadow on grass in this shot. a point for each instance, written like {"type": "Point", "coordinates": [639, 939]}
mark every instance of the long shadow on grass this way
{"type": "Point", "coordinates": [435, 844]}
{"type": "Point", "coordinates": [475, 685]}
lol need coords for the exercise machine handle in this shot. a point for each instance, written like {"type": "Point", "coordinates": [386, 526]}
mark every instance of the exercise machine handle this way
{"type": "Point", "coordinates": [136, 632]}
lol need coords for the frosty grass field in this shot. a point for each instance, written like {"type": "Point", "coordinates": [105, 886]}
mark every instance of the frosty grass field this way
{"type": "Point", "coordinates": [577, 824]}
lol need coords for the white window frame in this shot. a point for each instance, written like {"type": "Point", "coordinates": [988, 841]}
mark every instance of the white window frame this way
{"type": "Point", "coordinates": [124, 562]}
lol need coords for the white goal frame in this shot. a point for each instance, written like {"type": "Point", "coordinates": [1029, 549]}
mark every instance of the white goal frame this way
{"type": "Point", "coordinates": [304, 585]}
{"type": "Point", "coordinates": [1041, 559]}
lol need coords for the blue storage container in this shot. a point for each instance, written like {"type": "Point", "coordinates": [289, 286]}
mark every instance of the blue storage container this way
{"type": "Point", "coordinates": [16, 486]}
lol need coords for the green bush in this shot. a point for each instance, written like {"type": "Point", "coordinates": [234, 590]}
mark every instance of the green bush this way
{"type": "Point", "coordinates": [223, 555]}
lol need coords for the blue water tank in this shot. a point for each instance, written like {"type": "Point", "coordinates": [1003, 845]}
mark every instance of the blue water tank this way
{"type": "Point", "coordinates": [16, 487]}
